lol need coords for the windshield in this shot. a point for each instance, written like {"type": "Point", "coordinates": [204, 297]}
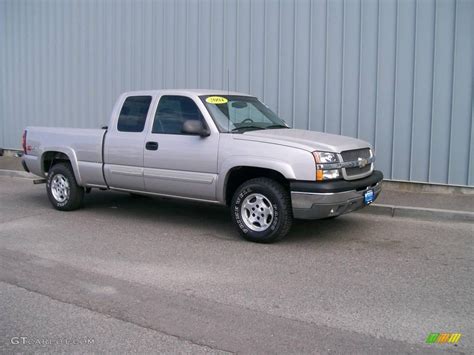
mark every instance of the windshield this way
{"type": "Point", "coordinates": [237, 114]}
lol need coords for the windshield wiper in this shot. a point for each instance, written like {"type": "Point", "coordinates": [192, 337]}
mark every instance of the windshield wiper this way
{"type": "Point", "coordinates": [276, 126]}
{"type": "Point", "coordinates": [237, 129]}
{"type": "Point", "coordinates": [273, 126]}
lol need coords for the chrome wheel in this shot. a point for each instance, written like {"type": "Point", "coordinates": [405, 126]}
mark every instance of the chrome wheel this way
{"type": "Point", "coordinates": [60, 188]}
{"type": "Point", "coordinates": [257, 212]}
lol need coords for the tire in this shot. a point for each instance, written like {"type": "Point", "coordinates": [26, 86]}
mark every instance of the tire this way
{"type": "Point", "coordinates": [274, 217]}
{"type": "Point", "coordinates": [63, 191]}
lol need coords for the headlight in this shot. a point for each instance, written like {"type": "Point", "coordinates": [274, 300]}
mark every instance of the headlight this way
{"type": "Point", "coordinates": [325, 162]}
{"type": "Point", "coordinates": [325, 157]}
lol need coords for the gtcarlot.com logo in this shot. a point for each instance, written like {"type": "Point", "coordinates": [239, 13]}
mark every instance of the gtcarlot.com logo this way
{"type": "Point", "coordinates": [443, 338]}
{"type": "Point", "coordinates": [24, 340]}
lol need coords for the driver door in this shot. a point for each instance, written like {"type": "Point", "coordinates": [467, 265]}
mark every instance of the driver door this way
{"type": "Point", "coordinates": [175, 163]}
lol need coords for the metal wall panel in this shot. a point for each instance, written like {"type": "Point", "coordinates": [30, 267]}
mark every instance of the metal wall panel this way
{"type": "Point", "coordinates": [398, 73]}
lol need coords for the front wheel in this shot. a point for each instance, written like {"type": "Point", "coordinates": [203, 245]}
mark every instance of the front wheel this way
{"type": "Point", "coordinates": [63, 191]}
{"type": "Point", "coordinates": [261, 210]}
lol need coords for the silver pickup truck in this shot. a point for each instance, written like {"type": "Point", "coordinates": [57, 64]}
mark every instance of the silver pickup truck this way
{"type": "Point", "coordinates": [226, 148]}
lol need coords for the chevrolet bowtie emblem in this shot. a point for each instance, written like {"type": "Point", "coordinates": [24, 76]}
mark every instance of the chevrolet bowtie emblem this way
{"type": "Point", "coordinates": [362, 162]}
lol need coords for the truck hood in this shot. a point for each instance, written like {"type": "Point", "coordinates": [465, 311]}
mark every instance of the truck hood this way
{"type": "Point", "coordinates": [302, 139]}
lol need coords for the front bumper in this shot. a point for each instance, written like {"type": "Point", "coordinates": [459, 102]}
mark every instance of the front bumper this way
{"type": "Point", "coordinates": [316, 200]}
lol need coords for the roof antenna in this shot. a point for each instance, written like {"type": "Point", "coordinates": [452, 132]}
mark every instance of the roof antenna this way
{"type": "Point", "coordinates": [228, 94]}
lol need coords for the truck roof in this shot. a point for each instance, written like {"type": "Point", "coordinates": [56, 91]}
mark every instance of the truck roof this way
{"type": "Point", "coordinates": [192, 92]}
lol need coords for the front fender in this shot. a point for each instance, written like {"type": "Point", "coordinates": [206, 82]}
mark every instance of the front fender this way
{"type": "Point", "coordinates": [279, 166]}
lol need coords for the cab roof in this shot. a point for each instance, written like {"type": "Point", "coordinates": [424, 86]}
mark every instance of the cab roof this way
{"type": "Point", "coordinates": [187, 92]}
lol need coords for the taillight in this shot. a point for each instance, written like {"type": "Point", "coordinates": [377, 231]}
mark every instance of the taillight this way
{"type": "Point", "coordinates": [23, 143]}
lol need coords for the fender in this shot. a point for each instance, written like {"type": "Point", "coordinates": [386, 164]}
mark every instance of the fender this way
{"type": "Point", "coordinates": [279, 166]}
{"type": "Point", "coordinates": [70, 153]}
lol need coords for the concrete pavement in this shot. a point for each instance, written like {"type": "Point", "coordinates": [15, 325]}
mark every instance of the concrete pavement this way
{"type": "Point", "coordinates": [356, 284]}
{"type": "Point", "coordinates": [10, 162]}
{"type": "Point", "coordinates": [452, 206]}
{"type": "Point", "coordinates": [426, 200]}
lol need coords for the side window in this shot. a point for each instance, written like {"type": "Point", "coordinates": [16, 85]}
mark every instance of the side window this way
{"type": "Point", "coordinates": [133, 114]}
{"type": "Point", "coordinates": [171, 113]}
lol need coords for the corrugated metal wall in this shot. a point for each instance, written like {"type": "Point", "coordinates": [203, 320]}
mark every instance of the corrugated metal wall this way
{"type": "Point", "coordinates": [396, 73]}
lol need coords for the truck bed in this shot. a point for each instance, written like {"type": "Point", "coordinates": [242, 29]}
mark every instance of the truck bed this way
{"type": "Point", "coordinates": [82, 146]}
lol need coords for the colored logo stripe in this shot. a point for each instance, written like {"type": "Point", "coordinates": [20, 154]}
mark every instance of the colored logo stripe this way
{"type": "Point", "coordinates": [443, 338]}
{"type": "Point", "coordinates": [432, 338]}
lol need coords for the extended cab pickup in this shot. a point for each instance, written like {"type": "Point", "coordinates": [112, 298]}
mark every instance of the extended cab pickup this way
{"type": "Point", "coordinates": [220, 147]}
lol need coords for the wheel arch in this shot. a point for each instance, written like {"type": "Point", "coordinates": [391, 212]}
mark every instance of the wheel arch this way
{"type": "Point", "coordinates": [55, 155]}
{"type": "Point", "coordinates": [237, 175]}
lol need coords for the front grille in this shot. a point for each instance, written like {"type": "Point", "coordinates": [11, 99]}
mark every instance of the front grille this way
{"type": "Point", "coordinates": [358, 171]}
{"type": "Point", "coordinates": [354, 155]}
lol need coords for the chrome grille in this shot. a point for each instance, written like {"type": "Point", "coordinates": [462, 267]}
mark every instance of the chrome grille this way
{"type": "Point", "coordinates": [353, 155]}
{"type": "Point", "coordinates": [358, 171]}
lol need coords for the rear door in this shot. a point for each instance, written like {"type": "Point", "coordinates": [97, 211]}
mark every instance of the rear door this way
{"type": "Point", "coordinates": [124, 144]}
{"type": "Point", "coordinates": [175, 163]}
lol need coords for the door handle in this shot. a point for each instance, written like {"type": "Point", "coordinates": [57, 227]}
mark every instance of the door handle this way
{"type": "Point", "coordinates": [151, 145]}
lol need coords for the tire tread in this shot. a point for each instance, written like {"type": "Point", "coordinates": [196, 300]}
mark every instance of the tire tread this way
{"type": "Point", "coordinates": [286, 215]}
{"type": "Point", "coordinates": [76, 192]}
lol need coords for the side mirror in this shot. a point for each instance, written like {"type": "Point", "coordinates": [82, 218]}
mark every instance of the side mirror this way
{"type": "Point", "coordinates": [196, 128]}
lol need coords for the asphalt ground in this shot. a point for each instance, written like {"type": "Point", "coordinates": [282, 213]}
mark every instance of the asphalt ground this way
{"type": "Point", "coordinates": [157, 275]}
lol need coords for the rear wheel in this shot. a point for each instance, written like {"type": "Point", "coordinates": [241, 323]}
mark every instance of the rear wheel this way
{"type": "Point", "coordinates": [63, 191]}
{"type": "Point", "coordinates": [261, 210]}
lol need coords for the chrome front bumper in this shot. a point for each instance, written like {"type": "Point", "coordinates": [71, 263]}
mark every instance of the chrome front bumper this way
{"type": "Point", "coordinates": [318, 205]}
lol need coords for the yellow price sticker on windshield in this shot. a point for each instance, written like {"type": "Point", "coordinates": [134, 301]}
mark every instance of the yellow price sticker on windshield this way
{"type": "Point", "coordinates": [216, 100]}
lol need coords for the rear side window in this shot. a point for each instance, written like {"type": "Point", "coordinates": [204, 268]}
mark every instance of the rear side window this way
{"type": "Point", "coordinates": [133, 114]}
{"type": "Point", "coordinates": [171, 113]}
